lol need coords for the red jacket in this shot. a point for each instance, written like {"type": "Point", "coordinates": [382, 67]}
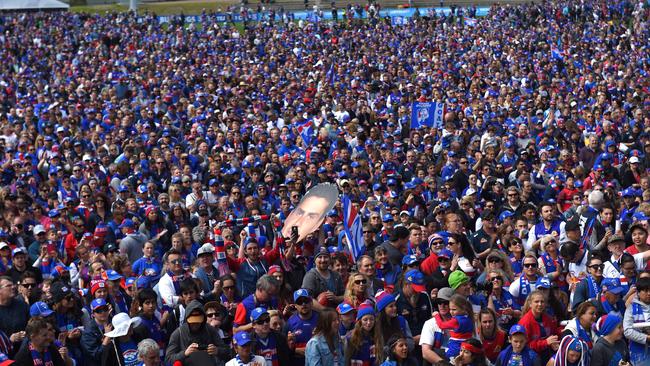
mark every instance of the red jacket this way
{"type": "Point", "coordinates": [533, 331]}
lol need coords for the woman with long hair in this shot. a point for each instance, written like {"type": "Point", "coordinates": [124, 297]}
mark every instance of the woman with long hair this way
{"type": "Point", "coordinates": [492, 338]}
{"type": "Point", "coordinates": [544, 342]}
{"type": "Point", "coordinates": [497, 259]}
{"type": "Point", "coordinates": [356, 290]}
{"type": "Point", "coordinates": [396, 352]}
{"type": "Point", "coordinates": [360, 348]}
{"type": "Point", "coordinates": [389, 323]}
{"type": "Point", "coordinates": [500, 300]}
{"type": "Point", "coordinates": [324, 347]}
{"type": "Point", "coordinates": [581, 325]}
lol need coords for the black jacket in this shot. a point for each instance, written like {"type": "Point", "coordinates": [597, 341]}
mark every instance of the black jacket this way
{"type": "Point", "coordinates": [91, 343]}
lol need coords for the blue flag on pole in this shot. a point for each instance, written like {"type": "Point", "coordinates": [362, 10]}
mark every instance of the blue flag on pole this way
{"type": "Point", "coordinates": [428, 114]}
{"type": "Point", "coordinates": [353, 228]}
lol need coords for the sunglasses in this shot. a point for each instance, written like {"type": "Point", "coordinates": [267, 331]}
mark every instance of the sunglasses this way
{"type": "Point", "coordinates": [211, 315]}
{"type": "Point", "coordinates": [494, 260]}
{"type": "Point", "coordinates": [229, 287]}
{"type": "Point", "coordinates": [597, 266]}
{"type": "Point", "coordinates": [101, 310]}
{"type": "Point", "coordinates": [443, 302]}
{"type": "Point", "coordinates": [496, 278]}
{"type": "Point", "coordinates": [176, 261]}
{"type": "Point", "coordinates": [28, 285]}
{"type": "Point", "coordinates": [360, 282]}
{"type": "Point", "coordinates": [530, 265]}
{"type": "Point", "coordinates": [303, 302]}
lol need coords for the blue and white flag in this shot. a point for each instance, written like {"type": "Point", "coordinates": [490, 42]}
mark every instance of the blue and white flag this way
{"type": "Point", "coordinates": [353, 228]}
{"type": "Point", "coordinates": [428, 114]}
{"type": "Point", "coordinates": [306, 130]}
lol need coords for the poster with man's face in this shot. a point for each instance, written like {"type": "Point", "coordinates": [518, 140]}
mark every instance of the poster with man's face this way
{"type": "Point", "coordinates": [311, 210]}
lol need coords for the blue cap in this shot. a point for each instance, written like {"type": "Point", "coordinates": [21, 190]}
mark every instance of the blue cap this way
{"type": "Point", "coordinates": [640, 216]}
{"type": "Point", "coordinates": [387, 218]}
{"type": "Point", "coordinates": [505, 214]}
{"type": "Point", "coordinates": [376, 187]}
{"type": "Point", "coordinates": [212, 182]}
{"type": "Point", "coordinates": [344, 308]}
{"type": "Point", "coordinates": [517, 328]}
{"type": "Point", "coordinates": [416, 279]}
{"type": "Point", "coordinates": [142, 188]}
{"type": "Point", "coordinates": [392, 182]}
{"type": "Point", "coordinates": [127, 223]}
{"type": "Point", "coordinates": [300, 293]}
{"type": "Point", "coordinates": [40, 309]}
{"type": "Point", "coordinates": [129, 281]}
{"type": "Point", "coordinates": [612, 285]}
{"type": "Point", "coordinates": [543, 282]}
{"type": "Point", "coordinates": [629, 192]}
{"type": "Point", "coordinates": [53, 213]}
{"type": "Point", "coordinates": [446, 253]}
{"type": "Point", "coordinates": [122, 189]}
{"type": "Point", "coordinates": [407, 260]}
{"type": "Point", "coordinates": [242, 338]}
{"type": "Point", "coordinates": [333, 213]}
{"type": "Point", "coordinates": [97, 303]}
{"type": "Point", "coordinates": [605, 156]}
{"type": "Point", "coordinates": [322, 170]}
{"type": "Point", "coordinates": [257, 313]}
{"type": "Point", "coordinates": [112, 275]}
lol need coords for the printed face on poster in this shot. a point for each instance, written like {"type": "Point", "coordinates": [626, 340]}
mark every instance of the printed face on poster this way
{"type": "Point", "coordinates": [311, 210]}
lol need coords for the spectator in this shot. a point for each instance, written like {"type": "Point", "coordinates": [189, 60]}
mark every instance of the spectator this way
{"type": "Point", "coordinates": [41, 347]}
{"type": "Point", "coordinates": [324, 347]}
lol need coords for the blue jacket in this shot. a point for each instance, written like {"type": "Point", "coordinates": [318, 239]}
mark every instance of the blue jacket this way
{"type": "Point", "coordinates": [318, 352]}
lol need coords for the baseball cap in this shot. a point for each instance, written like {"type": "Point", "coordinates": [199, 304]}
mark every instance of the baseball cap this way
{"type": "Point", "coordinates": [257, 313]}
{"type": "Point", "coordinates": [127, 223]}
{"type": "Point", "coordinates": [445, 293]}
{"type": "Point", "coordinates": [407, 260]}
{"type": "Point", "coordinates": [97, 303]}
{"type": "Point", "coordinates": [40, 309]}
{"type": "Point", "coordinates": [543, 282]}
{"type": "Point", "coordinates": [300, 293]}
{"type": "Point", "coordinates": [18, 250]}
{"type": "Point", "coordinates": [416, 279]}
{"type": "Point", "coordinates": [242, 338]}
{"type": "Point", "coordinates": [344, 308]}
{"type": "Point", "coordinates": [206, 248]}
{"type": "Point", "coordinates": [112, 275]}
{"type": "Point", "coordinates": [38, 229]}
{"type": "Point", "coordinates": [387, 218]}
{"type": "Point", "coordinates": [612, 285]}
{"type": "Point", "coordinates": [517, 328]}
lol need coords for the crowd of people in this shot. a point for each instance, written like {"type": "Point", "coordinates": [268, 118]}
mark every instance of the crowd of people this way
{"type": "Point", "coordinates": [148, 170]}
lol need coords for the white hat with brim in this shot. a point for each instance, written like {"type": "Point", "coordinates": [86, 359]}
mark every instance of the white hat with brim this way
{"type": "Point", "coordinates": [121, 324]}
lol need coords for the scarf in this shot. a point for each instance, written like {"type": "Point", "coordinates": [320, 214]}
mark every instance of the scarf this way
{"type": "Point", "coordinates": [176, 280]}
{"type": "Point", "coordinates": [36, 356]}
{"type": "Point", "coordinates": [241, 363]}
{"type": "Point", "coordinates": [508, 355]}
{"type": "Point", "coordinates": [584, 335]}
{"type": "Point", "coordinates": [593, 287]}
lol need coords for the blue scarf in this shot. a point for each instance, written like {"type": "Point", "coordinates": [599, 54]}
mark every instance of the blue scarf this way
{"type": "Point", "coordinates": [176, 280]}
{"type": "Point", "coordinates": [584, 335]}
{"type": "Point", "coordinates": [593, 287]}
{"type": "Point", "coordinates": [36, 356]}
{"type": "Point", "coordinates": [527, 357]}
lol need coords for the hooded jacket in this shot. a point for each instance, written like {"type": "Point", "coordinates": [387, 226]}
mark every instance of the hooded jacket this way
{"type": "Point", "coordinates": [182, 337]}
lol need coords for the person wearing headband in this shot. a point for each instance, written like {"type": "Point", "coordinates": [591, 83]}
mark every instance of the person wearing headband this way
{"type": "Point", "coordinates": [396, 352]}
{"type": "Point", "coordinates": [471, 354]}
{"type": "Point", "coordinates": [610, 348]}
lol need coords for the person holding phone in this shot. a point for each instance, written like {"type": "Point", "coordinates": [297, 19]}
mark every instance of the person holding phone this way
{"type": "Point", "coordinates": [610, 349]}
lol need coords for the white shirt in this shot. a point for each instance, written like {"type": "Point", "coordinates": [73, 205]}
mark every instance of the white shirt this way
{"type": "Point", "coordinates": [579, 270]}
{"type": "Point", "coordinates": [255, 361]}
{"type": "Point", "coordinates": [611, 272]}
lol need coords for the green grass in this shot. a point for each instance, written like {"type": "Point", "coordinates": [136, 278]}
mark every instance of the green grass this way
{"type": "Point", "coordinates": [187, 7]}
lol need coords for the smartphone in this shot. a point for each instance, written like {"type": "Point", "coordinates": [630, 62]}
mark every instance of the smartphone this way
{"type": "Point", "coordinates": [294, 231]}
{"type": "Point", "coordinates": [202, 347]}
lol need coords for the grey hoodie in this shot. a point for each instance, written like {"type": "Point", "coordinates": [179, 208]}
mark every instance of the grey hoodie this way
{"type": "Point", "coordinates": [182, 337]}
{"type": "Point", "coordinates": [632, 334]}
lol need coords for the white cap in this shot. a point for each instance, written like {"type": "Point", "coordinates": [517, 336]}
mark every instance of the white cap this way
{"type": "Point", "coordinates": [39, 229]}
{"type": "Point", "coordinates": [469, 192]}
{"type": "Point", "coordinates": [3, 245]}
{"type": "Point", "coordinates": [206, 248]}
{"type": "Point", "coordinates": [634, 160]}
